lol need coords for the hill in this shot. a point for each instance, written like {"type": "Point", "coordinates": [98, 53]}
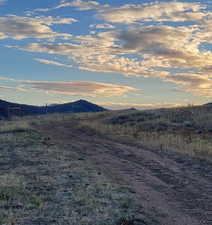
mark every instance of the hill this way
{"type": "Point", "coordinates": [117, 167]}
{"type": "Point", "coordinates": [9, 108]}
{"type": "Point", "coordinates": [74, 107]}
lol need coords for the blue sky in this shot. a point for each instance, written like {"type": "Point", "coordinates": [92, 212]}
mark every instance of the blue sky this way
{"type": "Point", "coordinates": [122, 53]}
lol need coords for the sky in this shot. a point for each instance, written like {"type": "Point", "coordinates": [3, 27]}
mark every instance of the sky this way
{"type": "Point", "coordinates": [116, 53]}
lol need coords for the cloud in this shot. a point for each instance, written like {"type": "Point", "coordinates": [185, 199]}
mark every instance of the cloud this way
{"type": "Point", "coordinates": [83, 5]}
{"type": "Point", "coordinates": [158, 11]}
{"type": "Point", "coordinates": [78, 4]}
{"type": "Point", "coordinates": [41, 10]}
{"type": "Point", "coordinates": [51, 62]}
{"type": "Point", "coordinates": [207, 69]}
{"type": "Point", "coordinates": [162, 43]}
{"type": "Point", "coordinates": [96, 54]}
{"type": "Point", "coordinates": [17, 27]}
{"type": "Point", "coordinates": [137, 49]}
{"type": "Point", "coordinates": [14, 88]}
{"type": "Point", "coordinates": [155, 39]}
{"type": "Point", "coordinates": [131, 13]}
{"type": "Point", "coordinates": [6, 79]}
{"type": "Point", "coordinates": [158, 47]}
{"type": "Point", "coordinates": [6, 87]}
{"type": "Point", "coordinates": [102, 26]}
{"type": "Point", "coordinates": [150, 46]}
{"type": "Point", "coordinates": [196, 83]}
{"type": "Point", "coordinates": [206, 30]}
{"type": "Point", "coordinates": [58, 48]}
{"type": "Point", "coordinates": [83, 88]}
{"type": "Point", "coordinates": [78, 88]}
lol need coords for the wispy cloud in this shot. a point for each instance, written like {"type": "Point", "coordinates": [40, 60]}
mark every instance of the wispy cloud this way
{"type": "Point", "coordinates": [83, 5]}
{"type": "Point", "coordinates": [6, 79]}
{"type": "Point", "coordinates": [7, 87]}
{"type": "Point", "coordinates": [83, 88]}
{"type": "Point", "coordinates": [158, 11]}
{"type": "Point", "coordinates": [102, 26]}
{"type": "Point", "coordinates": [17, 27]}
{"type": "Point", "coordinates": [195, 83]}
{"type": "Point", "coordinates": [51, 62]}
{"type": "Point", "coordinates": [97, 55]}
{"type": "Point", "coordinates": [75, 88]}
{"type": "Point", "coordinates": [131, 13]}
{"type": "Point", "coordinates": [78, 4]}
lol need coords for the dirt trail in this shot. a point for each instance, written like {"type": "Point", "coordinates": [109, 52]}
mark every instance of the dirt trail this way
{"type": "Point", "coordinates": [173, 188]}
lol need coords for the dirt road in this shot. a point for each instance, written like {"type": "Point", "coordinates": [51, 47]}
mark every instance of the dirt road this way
{"type": "Point", "coordinates": [173, 188]}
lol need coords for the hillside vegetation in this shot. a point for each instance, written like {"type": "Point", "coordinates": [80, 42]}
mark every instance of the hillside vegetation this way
{"type": "Point", "coordinates": [125, 167]}
{"type": "Point", "coordinates": [187, 129]}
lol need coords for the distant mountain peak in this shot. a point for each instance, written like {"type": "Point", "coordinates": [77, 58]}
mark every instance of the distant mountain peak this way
{"type": "Point", "coordinates": [71, 107]}
{"type": "Point", "coordinates": [81, 100]}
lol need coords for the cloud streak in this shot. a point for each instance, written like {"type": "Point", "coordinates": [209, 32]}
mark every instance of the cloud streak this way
{"type": "Point", "coordinates": [51, 62]}
{"type": "Point", "coordinates": [83, 5]}
{"type": "Point", "coordinates": [102, 26]}
{"type": "Point", "coordinates": [92, 89]}
{"type": "Point", "coordinates": [17, 27]}
{"type": "Point", "coordinates": [75, 88]}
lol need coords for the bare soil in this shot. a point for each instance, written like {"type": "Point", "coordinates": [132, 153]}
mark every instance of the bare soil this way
{"type": "Point", "coordinates": [172, 188]}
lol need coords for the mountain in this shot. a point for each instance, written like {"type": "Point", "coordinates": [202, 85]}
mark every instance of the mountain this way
{"type": "Point", "coordinates": [9, 108]}
{"type": "Point", "coordinates": [74, 107]}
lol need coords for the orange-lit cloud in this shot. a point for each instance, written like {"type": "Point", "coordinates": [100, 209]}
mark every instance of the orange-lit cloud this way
{"type": "Point", "coordinates": [194, 83]}
{"type": "Point", "coordinates": [79, 88]}
{"type": "Point", "coordinates": [83, 88]}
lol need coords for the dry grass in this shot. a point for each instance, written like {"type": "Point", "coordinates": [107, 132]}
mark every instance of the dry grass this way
{"type": "Point", "coordinates": [187, 130]}
{"type": "Point", "coordinates": [42, 184]}
{"type": "Point", "coordinates": [7, 126]}
{"type": "Point", "coordinates": [47, 184]}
